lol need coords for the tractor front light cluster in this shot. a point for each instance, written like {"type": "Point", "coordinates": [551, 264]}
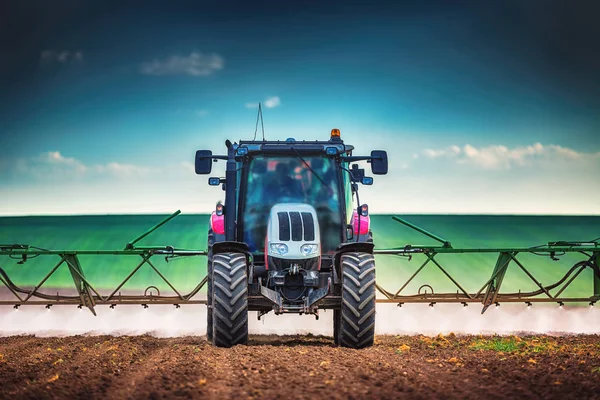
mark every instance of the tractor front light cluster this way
{"type": "Point", "coordinates": [278, 248]}
{"type": "Point", "coordinates": [309, 249]}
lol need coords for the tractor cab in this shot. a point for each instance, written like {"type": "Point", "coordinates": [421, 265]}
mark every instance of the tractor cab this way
{"type": "Point", "coordinates": [289, 221]}
{"type": "Point", "coordinates": [271, 180]}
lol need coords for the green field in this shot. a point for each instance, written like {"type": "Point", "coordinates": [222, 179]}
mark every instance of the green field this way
{"type": "Point", "coordinates": [189, 231]}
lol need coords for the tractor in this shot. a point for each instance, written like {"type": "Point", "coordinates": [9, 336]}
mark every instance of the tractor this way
{"type": "Point", "coordinates": [289, 237]}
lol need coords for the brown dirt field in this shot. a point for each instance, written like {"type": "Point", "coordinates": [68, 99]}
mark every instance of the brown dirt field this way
{"type": "Point", "coordinates": [301, 367]}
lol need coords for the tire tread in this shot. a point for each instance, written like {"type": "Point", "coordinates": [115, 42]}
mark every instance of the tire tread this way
{"type": "Point", "coordinates": [230, 299]}
{"type": "Point", "coordinates": [357, 323]}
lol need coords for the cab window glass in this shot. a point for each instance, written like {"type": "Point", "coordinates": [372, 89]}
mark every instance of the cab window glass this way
{"type": "Point", "coordinates": [348, 194]}
{"type": "Point", "coordinates": [273, 180]}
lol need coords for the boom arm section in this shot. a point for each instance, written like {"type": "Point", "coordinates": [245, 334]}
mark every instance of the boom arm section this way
{"type": "Point", "coordinates": [581, 256]}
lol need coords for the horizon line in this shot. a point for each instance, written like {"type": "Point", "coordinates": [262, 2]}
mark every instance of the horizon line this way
{"type": "Point", "coordinates": [374, 214]}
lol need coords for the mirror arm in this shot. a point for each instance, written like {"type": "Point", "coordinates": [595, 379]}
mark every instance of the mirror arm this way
{"type": "Point", "coordinates": [357, 158]}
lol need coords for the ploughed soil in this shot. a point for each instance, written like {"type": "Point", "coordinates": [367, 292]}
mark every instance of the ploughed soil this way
{"type": "Point", "coordinates": [287, 367]}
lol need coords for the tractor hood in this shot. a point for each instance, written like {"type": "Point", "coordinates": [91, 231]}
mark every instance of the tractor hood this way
{"type": "Point", "coordinates": [293, 232]}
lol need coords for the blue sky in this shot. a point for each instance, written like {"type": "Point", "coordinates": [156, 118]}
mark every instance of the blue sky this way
{"type": "Point", "coordinates": [484, 108]}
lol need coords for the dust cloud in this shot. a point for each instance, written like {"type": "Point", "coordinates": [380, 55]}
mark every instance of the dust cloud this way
{"type": "Point", "coordinates": [411, 319]}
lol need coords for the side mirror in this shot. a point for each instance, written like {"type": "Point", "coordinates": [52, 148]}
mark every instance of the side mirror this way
{"type": "Point", "coordinates": [379, 162]}
{"type": "Point", "coordinates": [367, 180]}
{"type": "Point", "coordinates": [203, 162]}
{"type": "Point", "coordinates": [212, 181]}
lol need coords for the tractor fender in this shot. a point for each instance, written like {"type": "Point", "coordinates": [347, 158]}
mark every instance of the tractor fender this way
{"type": "Point", "coordinates": [351, 247]}
{"type": "Point", "coordinates": [232, 247]}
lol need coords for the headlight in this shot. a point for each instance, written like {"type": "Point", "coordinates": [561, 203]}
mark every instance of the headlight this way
{"type": "Point", "coordinates": [309, 249]}
{"type": "Point", "coordinates": [278, 248]}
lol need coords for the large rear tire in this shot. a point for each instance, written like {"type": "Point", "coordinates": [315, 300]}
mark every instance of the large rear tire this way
{"type": "Point", "coordinates": [229, 299]}
{"type": "Point", "coordinates": [209, 311]}
{"type": "Point", "coordinates": [357, 322]}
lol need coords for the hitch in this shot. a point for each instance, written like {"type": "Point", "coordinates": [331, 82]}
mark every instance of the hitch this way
{"type": "Point", "coordinates": [314, 297]}
{"type": "Point", "coordinates": [272, 296]}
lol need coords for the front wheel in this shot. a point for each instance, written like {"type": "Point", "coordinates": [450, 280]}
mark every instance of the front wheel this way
{"type": "Point", "coordinates": [357, 320]}
{"type": "Point", "coordinates": [229, 299]}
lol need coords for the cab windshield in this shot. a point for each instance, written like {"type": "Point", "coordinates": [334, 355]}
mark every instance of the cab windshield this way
{"type": "Point", "coordinates": [273, 180]}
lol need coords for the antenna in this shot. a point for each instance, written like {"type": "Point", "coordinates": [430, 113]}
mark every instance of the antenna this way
{"type": "Point", "coordinates": [262, 124]}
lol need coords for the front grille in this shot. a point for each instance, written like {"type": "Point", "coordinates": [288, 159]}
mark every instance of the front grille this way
{"type": "Point", "coordinates": [294, 226]}
{"type": "Point", "coordinates": [284, 226]}
{"type": "Point", "coordinates": [309, 226]}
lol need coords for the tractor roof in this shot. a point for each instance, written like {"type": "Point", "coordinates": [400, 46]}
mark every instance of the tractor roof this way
{"type": "Point", "coordinates": [292, 146]}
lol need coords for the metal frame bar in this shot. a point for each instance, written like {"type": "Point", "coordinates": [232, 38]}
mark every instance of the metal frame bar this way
{"type": "Point", "coordinates": [131, 244]}
{"type": "Point", "coordinates": [144, 259]}
{"type": "Point", "coordinates": [89, 296]}
{"type": "Point", "coordinates": [570, 280]}
{"type": "Point", "coordinates": [493, 294]}
{"type": "Point", "coordinates": [52, 271]}
{"type": "Point", "coordinates": [493, 287]}
{"type": "Point", "coordinates": [85, 288]}
{"type": "Point", "coordinates": [429, 258]}
{"type": "Point", "coordinates": [531, 277]}
{"type": "Point", "coordinates": [81, 284]}
{"type": "Point", "coordinates": [11, 289]}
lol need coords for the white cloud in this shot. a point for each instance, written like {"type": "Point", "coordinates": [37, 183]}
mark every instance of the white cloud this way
{"type": "Point", "coordinates": [50, 165]}
{"type": "Point", "coordinates": [124, 170]}
{"type": "Point", "coordinates": [54, 157]}
{"type": "Point", "coordinates": [53, 165]}
{"type": "Point", "coordinates": [62, 57]}
{"type": "Point", "coordinates": [558, 180]}
{"type": "Point", "coordinates": [450, 151]}
{"type": "Point", "coordinates": [29, 186]}
{"type": "Point", "coordinates": [270, 102]}
{"type": "Point", "coordinates": [502, 157]}
{"type": "Point", "coordinates": [195, 64]}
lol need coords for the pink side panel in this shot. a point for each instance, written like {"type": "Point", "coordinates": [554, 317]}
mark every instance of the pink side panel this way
{"type": "Point", "coordinates": [364, 223]}
{"type": "Point", "coordinates": [217, 223]}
